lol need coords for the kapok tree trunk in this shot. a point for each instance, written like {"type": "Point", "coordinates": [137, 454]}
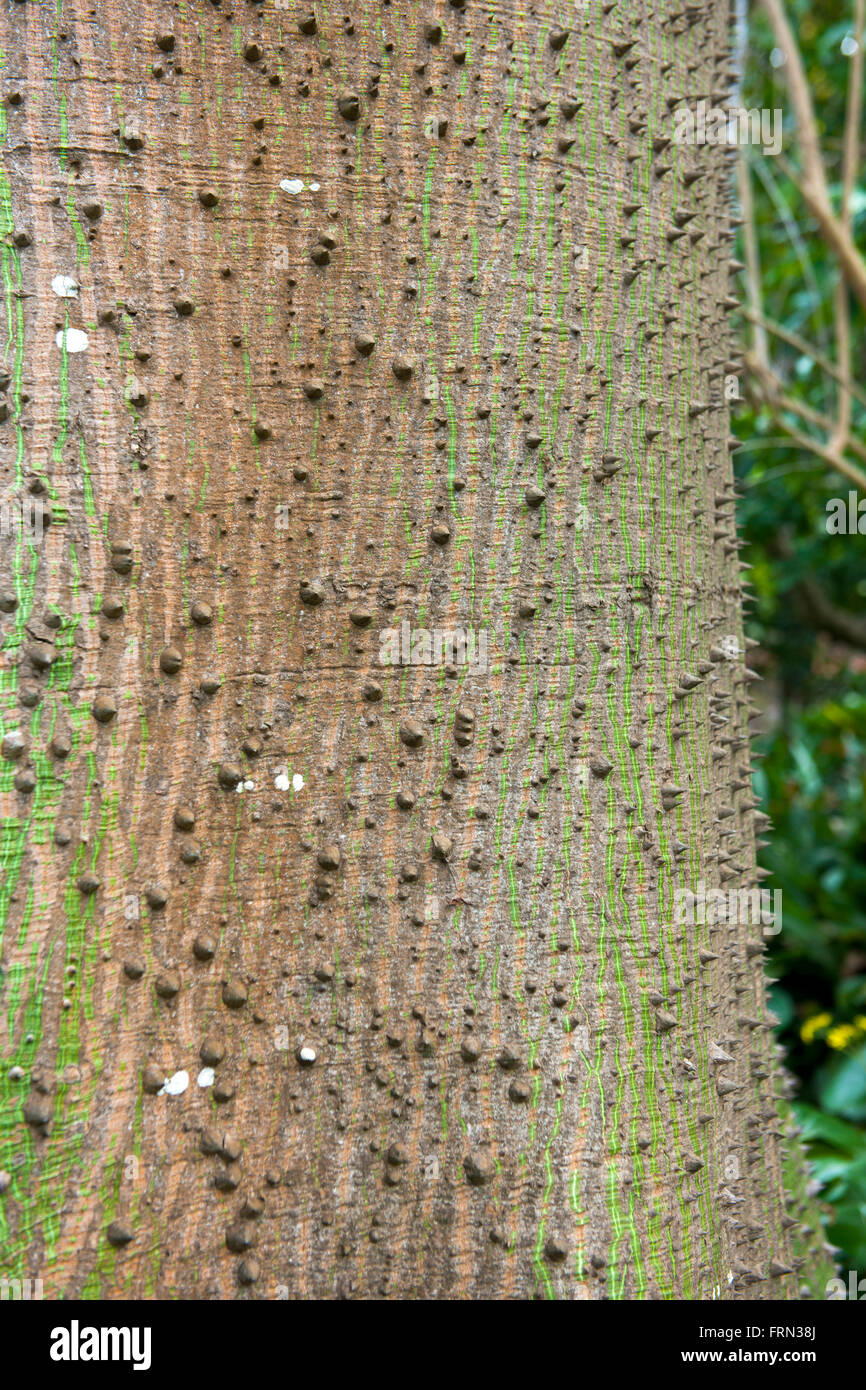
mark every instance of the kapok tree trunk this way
{"type": "Point", "coordinates": [328, 969]}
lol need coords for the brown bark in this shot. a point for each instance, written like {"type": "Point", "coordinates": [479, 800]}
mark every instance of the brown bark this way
{"type": "Point", "coordinates": [469, 375]}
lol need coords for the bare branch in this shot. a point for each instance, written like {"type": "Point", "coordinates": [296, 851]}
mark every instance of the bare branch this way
{"type": "Point", "coordinates": [753, 266]}
{"type": "Point", "coordinates": [824, 614]}
{"type": "Point", "coordinates": [853, 113]}
{"type": "Point", "coordinates": [813, 185]}
{"type": "Point", "coordinates": [801, 98]}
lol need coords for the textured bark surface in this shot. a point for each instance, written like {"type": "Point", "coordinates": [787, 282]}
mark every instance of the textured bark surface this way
{"type": "Point", "coordinates": [408, 316]}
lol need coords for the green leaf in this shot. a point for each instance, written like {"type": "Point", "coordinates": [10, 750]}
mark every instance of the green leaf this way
{"type": "Point", "coordinates": [842, 1086]}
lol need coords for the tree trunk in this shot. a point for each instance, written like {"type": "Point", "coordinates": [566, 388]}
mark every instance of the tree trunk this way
{"type": "Point", "coordinates": [380, 673]}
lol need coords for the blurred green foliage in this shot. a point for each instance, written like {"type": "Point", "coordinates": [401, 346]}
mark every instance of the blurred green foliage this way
{"type": "Point", "coordinates": [813, 775]}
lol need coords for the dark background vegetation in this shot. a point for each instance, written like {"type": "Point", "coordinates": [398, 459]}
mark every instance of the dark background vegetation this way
{"type": "Point", "coordinates": [812, 778]}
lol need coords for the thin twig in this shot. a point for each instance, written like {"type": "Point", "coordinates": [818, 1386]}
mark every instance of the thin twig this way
{"type": "Point", "coordinates": [807, 350]}
{"type": "Point", "coordinates": [822, 451]}
{"type": "Point", "coordinates": [777, 402]}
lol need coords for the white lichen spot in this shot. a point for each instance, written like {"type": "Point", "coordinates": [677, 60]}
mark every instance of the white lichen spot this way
{"type": "Point", "coordinates": [65, 286]}
{"type": "Point", "coordinates": [281, 782]}
{"type": "Point", "coordinates": [206, 1076]}
{"type": "Point", "coordinates": [73, 339]}
{"type": "Point", "coordinates": [298, 782]}
{"type": "Point", "coordinates": [296, 186]}
{"type": "Point", "coordinates": [175, 1085]}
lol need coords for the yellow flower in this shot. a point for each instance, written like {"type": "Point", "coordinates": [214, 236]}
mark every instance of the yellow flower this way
{"type": "Point", "coordinates": [860, 1022]}
{"type": "Point", "coordinates": [816, 1024]}
{"type": "Point", "coordinates": [841, 1035]}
